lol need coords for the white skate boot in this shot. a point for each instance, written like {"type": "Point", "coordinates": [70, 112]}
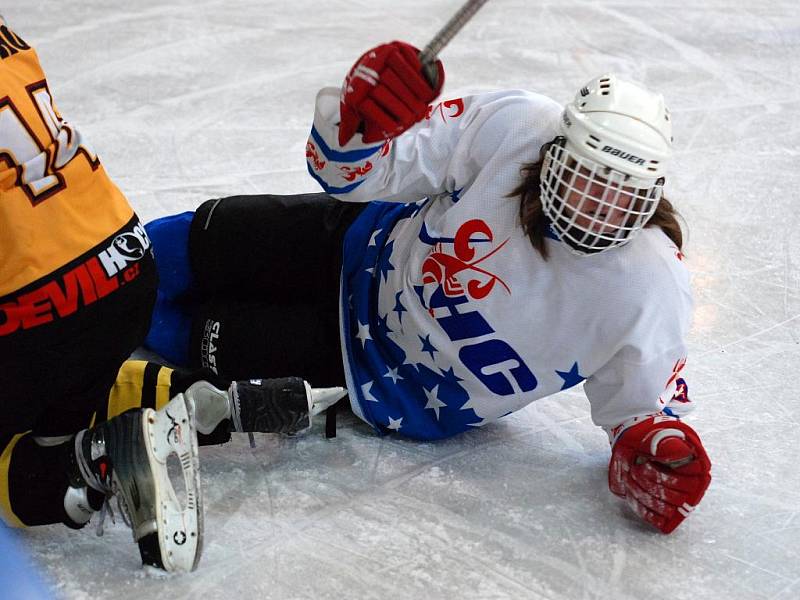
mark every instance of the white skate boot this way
{"type": "Point", "coordinates": [127, 457]}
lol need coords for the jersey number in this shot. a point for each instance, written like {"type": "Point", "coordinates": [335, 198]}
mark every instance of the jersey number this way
{"type": "Point", "coordinates": [38, 167]}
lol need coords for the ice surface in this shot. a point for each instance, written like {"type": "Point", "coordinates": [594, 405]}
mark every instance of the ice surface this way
{"type": "Point", "coordinates": [188, 100]}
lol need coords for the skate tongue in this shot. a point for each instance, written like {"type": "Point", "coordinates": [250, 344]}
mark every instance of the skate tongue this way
{"type": "Point", "coordinates": [323, 398]}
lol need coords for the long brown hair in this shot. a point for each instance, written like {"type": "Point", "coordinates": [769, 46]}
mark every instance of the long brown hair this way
{"type": "Point", "coordinates": [535, 222]}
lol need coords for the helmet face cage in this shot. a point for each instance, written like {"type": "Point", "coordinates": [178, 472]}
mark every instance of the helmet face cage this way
{"type": "Point", "coordinates": [591, 206]}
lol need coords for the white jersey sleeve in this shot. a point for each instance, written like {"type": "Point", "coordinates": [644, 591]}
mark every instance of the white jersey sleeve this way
{"type": "Point", "coordinates": [645, 374]}
{"type": "Point", "coordinates": [448, 149]}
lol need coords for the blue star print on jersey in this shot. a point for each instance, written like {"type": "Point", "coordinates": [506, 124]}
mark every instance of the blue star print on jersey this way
{"type": "Point", "coordinates": [394, 392]}
{"type": "Point", "coordinates": [410, 388]}
{"type": "Point", "coordinates": [571, 378]}
{"type": "Point", "coordinates": [427, 346]}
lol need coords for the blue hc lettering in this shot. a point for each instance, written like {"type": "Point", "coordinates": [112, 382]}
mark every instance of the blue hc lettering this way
{"type": "Point", "coordinates": [496, 364]}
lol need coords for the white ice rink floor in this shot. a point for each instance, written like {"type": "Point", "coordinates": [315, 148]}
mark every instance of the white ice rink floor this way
{"type": "Point", "coordinates": [189, 100]}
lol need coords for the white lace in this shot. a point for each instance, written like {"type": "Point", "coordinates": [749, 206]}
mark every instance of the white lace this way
{"type": "Point", "coordinates": [106, 510]}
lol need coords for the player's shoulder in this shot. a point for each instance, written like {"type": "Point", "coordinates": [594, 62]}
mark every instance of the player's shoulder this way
{"type": "Point", "coordinates": [641, 286]}
{"type": "Point", "coordinates": [653, 265]}
{"type": "Point", "coordinates": [522, 104]}
{"type": "Point", "coordinates": [14, 51]}
{"type": "Point", "coordinates": [10, 40]}
{"type": "Point", "coordinates": [647, 271]}
{"type": "Point", "coordinates": [518, 122]}
{"type": "Point", "coordinates": [658, 253]}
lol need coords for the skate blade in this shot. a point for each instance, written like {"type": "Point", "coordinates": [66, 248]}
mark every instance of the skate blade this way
{"type": "Point", "coordinates": [321, 399]}
{"type": "Point", "coordinates": [168, 431]}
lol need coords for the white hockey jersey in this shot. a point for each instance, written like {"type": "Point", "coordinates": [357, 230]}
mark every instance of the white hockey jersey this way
{"type": "Point", "coordinates": [450, 318]}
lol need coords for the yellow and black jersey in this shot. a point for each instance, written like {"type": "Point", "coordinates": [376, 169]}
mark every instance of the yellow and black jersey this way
{"type": "Point", "coordinates": [67, 234]}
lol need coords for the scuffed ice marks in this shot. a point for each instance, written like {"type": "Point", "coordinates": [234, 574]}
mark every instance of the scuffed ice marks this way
{"type": "Point", "coordinates": [186, 101]}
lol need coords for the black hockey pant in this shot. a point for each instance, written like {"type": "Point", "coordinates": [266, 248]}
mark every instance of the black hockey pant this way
{"type": "Point", "coordinates": [266, 274]}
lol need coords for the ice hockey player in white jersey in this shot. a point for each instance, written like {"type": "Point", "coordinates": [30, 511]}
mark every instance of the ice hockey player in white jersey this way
{"type": "Point", "coordinates": [498, 248]}
{"type": "Point", "coordinates": [538, 253]}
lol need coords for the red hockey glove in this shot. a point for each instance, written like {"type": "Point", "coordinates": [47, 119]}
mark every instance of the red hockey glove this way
{"type": "Point", "coordinates": [385, 93]}
{"type": "Point", "coordinates": [660, 468]}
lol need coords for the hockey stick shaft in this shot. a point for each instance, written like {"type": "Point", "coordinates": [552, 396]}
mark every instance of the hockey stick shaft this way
{"type": "Point", "coordinates": [428, 55]}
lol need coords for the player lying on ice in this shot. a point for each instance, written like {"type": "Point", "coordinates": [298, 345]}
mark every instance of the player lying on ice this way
{"type": "Point", "coordinates": [79, 424]}
{"type": "Point", "coordinates": [469, 257]}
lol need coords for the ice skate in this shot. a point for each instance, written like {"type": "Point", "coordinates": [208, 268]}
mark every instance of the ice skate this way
{"type": "Point", "coordinates": [127, 457]}
{"type": "Point", "coordinates": [283, 405]}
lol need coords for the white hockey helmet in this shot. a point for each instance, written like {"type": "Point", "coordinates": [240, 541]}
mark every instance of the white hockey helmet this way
{"type": "Point", "coordinates": [602, 178]}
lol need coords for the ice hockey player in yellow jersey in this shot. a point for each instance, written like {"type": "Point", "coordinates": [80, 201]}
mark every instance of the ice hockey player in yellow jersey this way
{"type": "Point", "coordinates": [77, 286]}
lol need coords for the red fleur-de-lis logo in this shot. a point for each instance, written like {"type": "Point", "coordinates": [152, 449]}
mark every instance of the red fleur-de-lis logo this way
{"type": "Point", "coordinates": [443, 268]}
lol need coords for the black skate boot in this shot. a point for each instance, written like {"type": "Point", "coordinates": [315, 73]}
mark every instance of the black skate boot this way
{"type": "Point", "coordinates": [282, 405]}
{"type": "Point", "coordinates": [127, 457]}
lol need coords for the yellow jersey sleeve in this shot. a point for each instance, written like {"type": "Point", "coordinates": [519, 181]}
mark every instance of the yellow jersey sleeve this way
{"type": "Point", "coordinates": [56, 201]}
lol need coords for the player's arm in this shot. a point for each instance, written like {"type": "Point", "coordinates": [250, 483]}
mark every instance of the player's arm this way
{"type": "Point", "coordinates": [658, 463]}
{"type": "Point", "coordinates": [446, 151]}
{"type": "Point", "coordinates": [354, 151]}
{"type": "Point", "coordinates": [383, 95]}
{"type": "Point", "coordinates": [444, 148]}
